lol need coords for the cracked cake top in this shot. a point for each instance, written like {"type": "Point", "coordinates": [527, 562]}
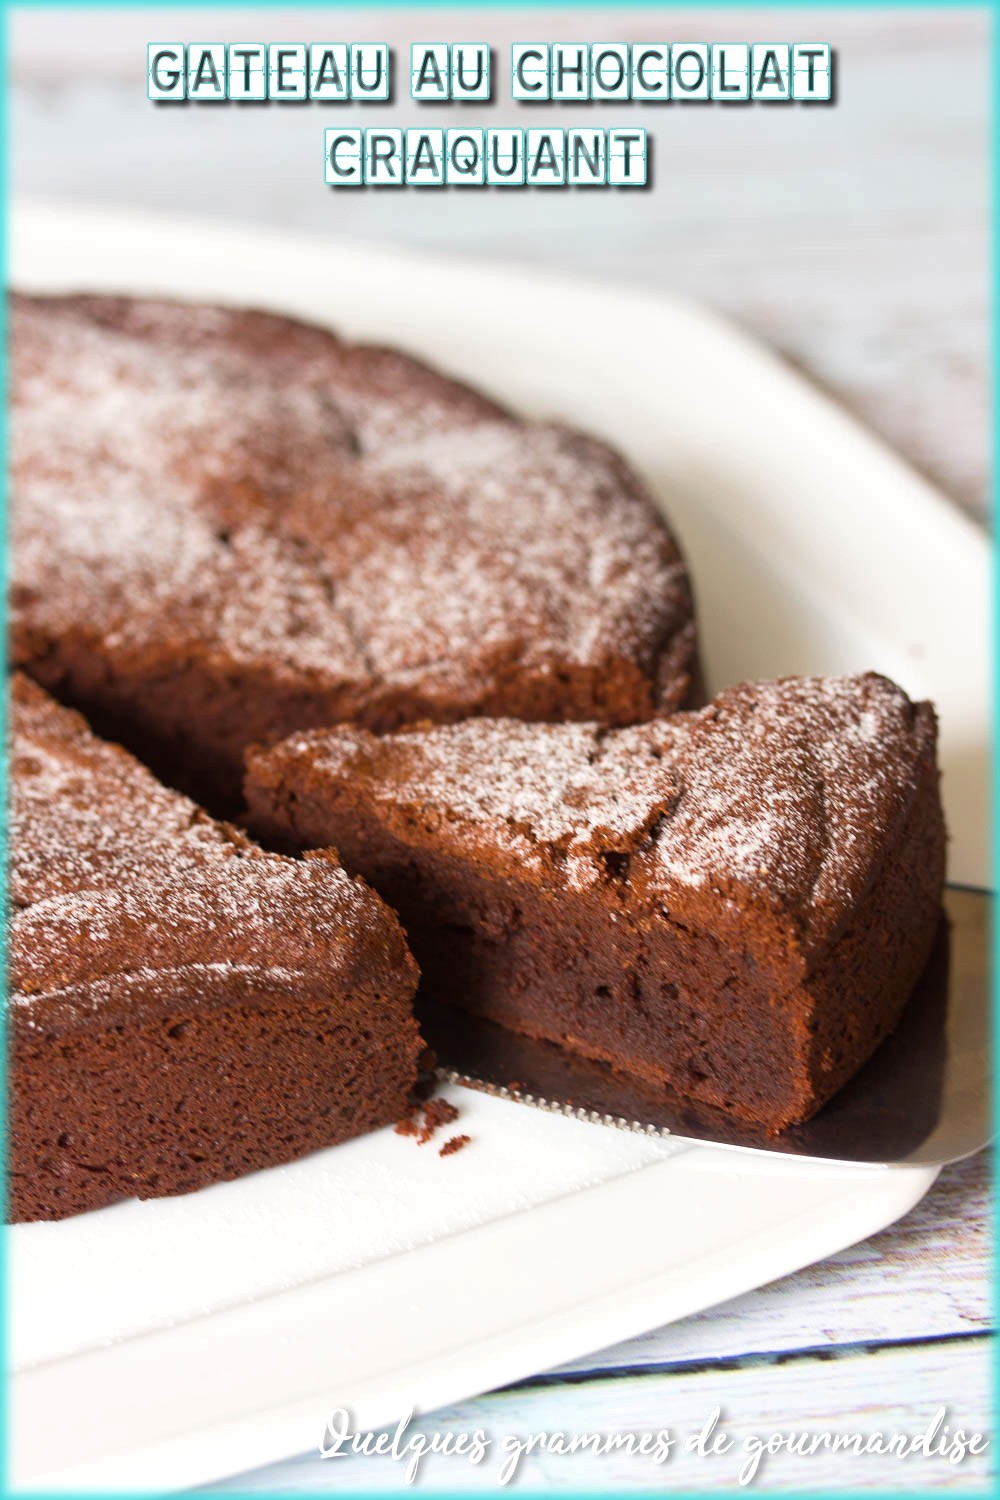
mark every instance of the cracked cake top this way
{"type": "Point", "coordinates": [779, 796]}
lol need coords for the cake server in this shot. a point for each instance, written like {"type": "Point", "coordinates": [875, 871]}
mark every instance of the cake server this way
{"type": "Point", "coordinates": [922, 1100]}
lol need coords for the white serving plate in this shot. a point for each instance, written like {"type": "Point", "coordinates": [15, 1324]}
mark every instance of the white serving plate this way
{"type": "Point", "coordinates": [193, 1338]}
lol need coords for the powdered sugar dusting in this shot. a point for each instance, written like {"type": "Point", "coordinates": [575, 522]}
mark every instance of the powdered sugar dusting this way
{"type": "Point", "coordinates": [110, 870]}
{"type": "Point", "coordinates": [531, 537]}
{"type": "Point", "coordinates": [228, 483]}
{"type": "Point", "coordinates": [137, 982]}
{"type": "Point", "coordinates": [792, 786]}
{"type": "Point", "coordinates": [549, 792]}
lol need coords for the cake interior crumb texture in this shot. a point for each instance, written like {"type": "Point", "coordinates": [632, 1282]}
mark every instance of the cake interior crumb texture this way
{"type": "Point", "coordinates": [735, 902]}
{"type": "Point", "coordinates": [227, 526]}
{"type": "Point", "coordinates": [183, 1007]}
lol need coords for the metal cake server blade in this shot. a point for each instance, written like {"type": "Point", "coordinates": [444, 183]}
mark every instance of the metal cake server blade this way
{"type": "Point", "coordinates": [923, 1099]}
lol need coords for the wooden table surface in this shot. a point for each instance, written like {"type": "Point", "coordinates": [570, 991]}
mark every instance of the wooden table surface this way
{"type": "Point", "coordinates": [853, 239]}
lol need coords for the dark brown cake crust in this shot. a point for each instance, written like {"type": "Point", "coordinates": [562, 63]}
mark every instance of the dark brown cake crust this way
{"type": "Point", "coordinates": [737, 902]}
{"type": "Point", "coordinates": [228, 526]}
{"type": "Point", "coordinates": [183, 1007]}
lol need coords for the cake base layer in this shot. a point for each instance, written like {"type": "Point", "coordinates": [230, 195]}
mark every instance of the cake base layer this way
{"type": "Point", "coordinates": [234, 1075]}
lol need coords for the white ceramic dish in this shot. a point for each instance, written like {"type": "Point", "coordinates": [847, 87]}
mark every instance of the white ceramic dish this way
{"type": "Point", "coordinates": [193, 1338]}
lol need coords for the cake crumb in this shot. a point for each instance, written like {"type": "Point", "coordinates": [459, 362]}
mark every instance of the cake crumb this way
{"type": "Point", "coordinates": [455, 1143]}
{"type": "Point", "coordinates": [436, 1112]}
{"type": "Point", "coordinates": [439, 1112]}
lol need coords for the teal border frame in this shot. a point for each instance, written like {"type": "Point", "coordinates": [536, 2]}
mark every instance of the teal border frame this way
{"type": "Point", "coordinates": [7, 7]}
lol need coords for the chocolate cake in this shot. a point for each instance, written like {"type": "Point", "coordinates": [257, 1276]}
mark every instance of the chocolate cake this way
{"type": "Point", "coordinates": [228, 526]}
{"type": "Point", "coordinates": [735, 902]}
{"type": "Point", "coordinates": [183, 1007]}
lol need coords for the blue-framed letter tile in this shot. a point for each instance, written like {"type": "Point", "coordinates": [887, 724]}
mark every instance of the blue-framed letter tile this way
{"type": "Point", "coordinates": [650, 72]}
{"type": "Point", "coordinates": [344, 157]}
{"type": "Point", "coordinates": [627, 157]}
{"type": "Point", "coordinates": [465, 158]}
{"type": "Point", "coordinates": [730, 72]}
{"type": "Point", "coordinates": [569, 71]}
{"type": "Point", "coordinates": [288, 72]}
{"type": "Point", "coordinates": [329, 72]}
{"type": "Point", "coordinates": [505, 157]}
{"type": "Point", "coordinates": [545, 158]}
{"type": "Point", "coordinates": [384, 158]}
{"type": "Point", "coordinates": [586, 158]}
{"type": "Point", "coordinates": [247, 71]}
{"type": "Point", "coordinates": [529, 70]}
{"type": "Point", "coordinates": [812, 71]}
{"type": "Point", "coordinates": [689, 70]}
{"type": "Point", "coordinates": [609, 70]}
{"type": "Point", "coordinates": [470, 70]}
{"type": "Point", "coordinates": [430, 72]}
{"type": "Point", "coordinates": [369, 70]}
{"type": "Point", "coordinates": [771, 78]}
{"type": "Point", "coordinates": [425, 158]}
{"type": "Point", "coordinates": [166, 71]}
{"type": "Point", "coordinates": [207, 72]}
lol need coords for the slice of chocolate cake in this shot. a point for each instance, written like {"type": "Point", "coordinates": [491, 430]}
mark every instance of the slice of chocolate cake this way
{"type": "Point", "coordinates": [183, 1007]}
{"type": "Point", "coordinates": [736, 902]}
{"type": "Point", "coordinates": [227, 526]}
